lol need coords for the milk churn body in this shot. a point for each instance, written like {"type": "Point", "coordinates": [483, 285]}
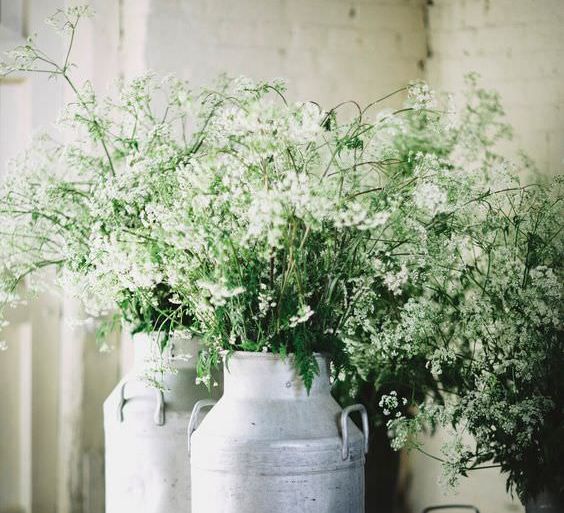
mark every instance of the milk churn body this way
{"type": "Point", "coordinates": [269, 446]}
{"type": "Point", "coordinates": [145, 432]}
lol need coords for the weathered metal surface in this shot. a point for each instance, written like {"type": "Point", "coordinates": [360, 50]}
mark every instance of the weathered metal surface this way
{"type": "Point", "coordinates": [268, 446]}
{"type": "Point", "coordinates": [145, 431]}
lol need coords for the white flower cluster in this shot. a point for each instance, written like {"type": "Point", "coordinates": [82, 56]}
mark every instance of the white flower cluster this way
{"type": "Point", "coordinates": [420, 96]}
{"type": "Point", "coordinates": [395, 281]}
{"type": "Point", "coordinates": [390, 404]}
{"type": "Point", "coordinates": [430, 197]}
{"type": "Point", "coordinates": [304, 313]}
{"type": "Point", "coordinates": [219, 293]}
{"type": "Point", "coordinates": [356, 216]}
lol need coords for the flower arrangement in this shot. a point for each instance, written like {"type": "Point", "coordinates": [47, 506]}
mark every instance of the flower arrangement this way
{"type": "Point", "coordinates": [126, 209]}
{"type": "Point", "coordinates": [489, 338]}
{"type": "Point", "coordinates": [290, 230]}
{"type": "Point", "coordinates": [397, 242]}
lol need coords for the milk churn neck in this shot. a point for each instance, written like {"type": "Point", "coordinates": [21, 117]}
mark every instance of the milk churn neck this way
{"type": "Point", "coordinates": [268, 376]}
{"type": "Point", "coordinates": [181, 351]}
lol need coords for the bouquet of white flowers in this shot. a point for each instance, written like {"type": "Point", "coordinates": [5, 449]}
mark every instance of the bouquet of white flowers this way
{"type": "Point", "coordinates": [488, 340]}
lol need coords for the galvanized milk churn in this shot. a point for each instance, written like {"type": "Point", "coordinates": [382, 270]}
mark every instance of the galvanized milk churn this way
{"type": "Point", "coordinates": [268, 446]}
{"type": "Point", "coordinates": [145, 431]}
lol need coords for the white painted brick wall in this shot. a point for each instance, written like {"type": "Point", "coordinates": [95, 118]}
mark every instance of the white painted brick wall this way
{"type": "Point", "coordinates": [329, 50]}
{"type": "Point", "coordinates": [518, 48]}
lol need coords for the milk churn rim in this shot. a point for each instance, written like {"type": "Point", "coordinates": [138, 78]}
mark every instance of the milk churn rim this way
{"type": "Point", "coordinates": [174, 337]}
{"type": "Point", "coordinates": [184, 333]}
{"type": "Point", "coordinates": [267, 356]}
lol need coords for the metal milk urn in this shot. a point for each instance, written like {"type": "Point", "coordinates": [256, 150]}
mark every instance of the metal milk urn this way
{"type": "Point", "coordinates": [145, 431]}
{"type": "Point", "coordinates": [267, 446]}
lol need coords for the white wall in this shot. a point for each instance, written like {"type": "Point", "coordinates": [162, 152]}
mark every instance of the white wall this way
{"type": "Point", "coordinates": [328, 50]}
{"type": "Point", "coordinates": [484, 489]}
{"type": "Point", "coordinates": [518, 48]}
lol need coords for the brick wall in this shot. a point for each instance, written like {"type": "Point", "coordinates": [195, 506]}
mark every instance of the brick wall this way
{"type": "Point", "coordinates": [328, 50]}
{"type": "Point", "coordinates": [518, 48]}
{"type": "Point", "coordinates": [333, 50]}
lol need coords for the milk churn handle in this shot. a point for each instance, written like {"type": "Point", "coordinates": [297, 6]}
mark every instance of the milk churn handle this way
{"type": "Point", "coordinates": [345, 429]}
{"type": "Point", "coordinates": [195, 417]}
{"type": "Point", "coordinates": [159, 416]}
{"type": "Point", "coordinates": [451, 506]}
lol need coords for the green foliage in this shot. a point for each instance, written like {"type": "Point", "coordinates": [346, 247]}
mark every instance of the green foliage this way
{"type": "Point", "coordinates": [482, 351]}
